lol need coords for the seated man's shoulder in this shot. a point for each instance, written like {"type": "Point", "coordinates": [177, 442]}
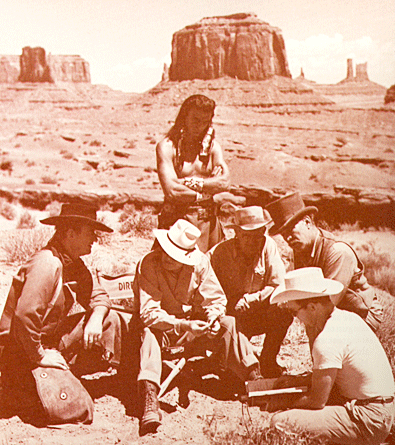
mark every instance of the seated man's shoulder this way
{"type": "Point", "coordinates": [149, 260]}
{"type": "Point", "coordinates": [221, 249]}
{"type": "Point", "coordinates": [44, 257]}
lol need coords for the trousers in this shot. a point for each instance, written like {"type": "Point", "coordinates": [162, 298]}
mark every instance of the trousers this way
{"type": "Point", "coordinates": [233, 349]}
{"type": "Point", "coordinates": [345, 424]}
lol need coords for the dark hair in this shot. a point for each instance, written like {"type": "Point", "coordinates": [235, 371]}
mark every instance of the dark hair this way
{"type": "Point", "coordinates": [196, 101]}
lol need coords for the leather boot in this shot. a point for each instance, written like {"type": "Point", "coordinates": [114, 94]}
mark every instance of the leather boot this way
{"type": "Point", "coordinates": [151, 418]}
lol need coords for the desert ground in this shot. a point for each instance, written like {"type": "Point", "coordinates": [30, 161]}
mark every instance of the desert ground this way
{"type": "Point", "coordinates": [66, 141]}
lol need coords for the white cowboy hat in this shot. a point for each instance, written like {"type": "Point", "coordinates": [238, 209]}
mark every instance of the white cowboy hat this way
{"type": "Point", "coordinates": [303, 283]}
{"type": "Point", "coordinates": [251, 218]}
{"type": "Point", "coordinates": [179, 242]}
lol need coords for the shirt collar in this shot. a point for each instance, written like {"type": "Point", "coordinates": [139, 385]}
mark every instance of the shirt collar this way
{"type": "Point", "coordinates": [315, 245]}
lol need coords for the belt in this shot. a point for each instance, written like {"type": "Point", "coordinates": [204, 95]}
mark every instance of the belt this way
{"type": "Point", "coordinates": [375, 400]}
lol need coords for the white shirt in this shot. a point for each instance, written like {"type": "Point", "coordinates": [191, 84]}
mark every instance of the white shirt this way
{"type": "Point", "coordinates": [348, 344]}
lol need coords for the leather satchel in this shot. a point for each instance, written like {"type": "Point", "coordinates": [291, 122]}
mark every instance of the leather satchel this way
{"type": "Point", "coordinates": [64, 398]}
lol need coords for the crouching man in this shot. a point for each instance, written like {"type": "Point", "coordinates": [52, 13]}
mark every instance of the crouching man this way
{"type": "Point", "coordinates": [180, 296]}
{"type": "Point", "coordinates": [351, 398]}
{"type": "Point", "coordinates": [249, 268]}
{"type": "Point", "coordinates": [44, 342]}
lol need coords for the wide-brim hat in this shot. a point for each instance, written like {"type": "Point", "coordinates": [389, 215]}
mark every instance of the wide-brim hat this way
{"type": "Point", "coordinates": [250, 218]}
{"type": "Point", "coordinates": [179, 242]}
{"type": "Point", "coordinates": [77, 212]}
{"type": "Point", "coordinates": [307, 282]}
{"type": "Point", "coordinates": [288, 210]}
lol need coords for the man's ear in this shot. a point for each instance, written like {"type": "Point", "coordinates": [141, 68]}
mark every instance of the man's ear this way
{"type": "Point", "coordinates": [69, 233]}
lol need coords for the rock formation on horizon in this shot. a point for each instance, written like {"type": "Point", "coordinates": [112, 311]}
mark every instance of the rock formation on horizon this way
{"type": "Point", "coordinates": [33, 65]}
{"type": "Point", "coordinates": [239, 46]}
{"type": "Point", "coordinates": [361, 72]}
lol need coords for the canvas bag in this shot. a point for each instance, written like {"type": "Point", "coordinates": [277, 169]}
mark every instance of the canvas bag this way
{"type": "Point", "coordinates": [118, 287]}
{"type": "Point", "coordinates": [64, 398]}
{"type": "Point", "coordinates": [62, 395]}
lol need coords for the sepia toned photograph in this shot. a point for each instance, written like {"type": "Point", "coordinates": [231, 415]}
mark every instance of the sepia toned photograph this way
{"type": "Point", "coordinates": [197, 222]}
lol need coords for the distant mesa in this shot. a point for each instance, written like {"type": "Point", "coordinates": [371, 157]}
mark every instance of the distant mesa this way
{"type": "Point", "coordinates": [390, 95]}
{"type": "Point", "coordinates": [33, 65]}
{"type": "Point", "coordinates": [238, 46]}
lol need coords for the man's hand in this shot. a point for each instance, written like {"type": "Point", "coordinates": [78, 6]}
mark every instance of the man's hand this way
{"type": "Point", "coordinates": [93, 331]}
{"type": "Point", "coordinates": [217, 170]}
{"type": "Point", "coordinates": [213, 327]}
{"type": "Point", "coordinates": [53, 359]}
{"type": "Point", "coordinates": [197, 327]}
{"type": "Point", "coordinates": [242, 305]}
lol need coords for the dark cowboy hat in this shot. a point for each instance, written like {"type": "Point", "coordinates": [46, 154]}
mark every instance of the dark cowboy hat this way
{"type": "Point", "coordinates": [77, 212]}
{"type": "Point", "coordinates": [287, 211]}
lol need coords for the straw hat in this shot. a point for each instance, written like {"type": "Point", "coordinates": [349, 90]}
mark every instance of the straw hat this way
{"type": "Point", "coordinates": [288, 210]}
{"type": "Point", "coordinates": [251, 218]}
{"type": "Point", "coordinates": [77, 212]}
{"type": "Point", "coordinates": [179, 242]}
{"type": "Point", "coordinates": [303, 283]}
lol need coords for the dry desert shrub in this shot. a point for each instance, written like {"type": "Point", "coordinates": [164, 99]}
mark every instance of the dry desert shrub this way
{"type": "Point", "coordinates": [7, 210]}
{"type": "Point", "coordinates": [137, 222]}
{"type": "Point", "coordinates": [21, 244]}
{"type": "Point", "coordinates": [53, 208]}
{"type": "Point", "coordinates": [263, 435]}
{"type": "Point", "coordinates": [379, 266]}
{"type": "Point", "coordinates": [26, 221]}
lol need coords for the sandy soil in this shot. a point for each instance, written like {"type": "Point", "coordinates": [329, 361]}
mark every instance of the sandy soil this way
{"type": "Point", "coordinates": [213, 408]}
{"type": "Point", "coordinates": [85, 139]}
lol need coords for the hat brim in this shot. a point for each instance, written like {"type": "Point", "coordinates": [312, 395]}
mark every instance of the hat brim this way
{"type": "Point", "coordinates": [248, 227]}
{"type": "Point", "coordinates": [180, 255]}
{"type": "Point", "coordinates": [282, 295]}
{"type": "Point", "coordinates": [276, 229]}
{"type": "Point", "coordinates": [58, 220]}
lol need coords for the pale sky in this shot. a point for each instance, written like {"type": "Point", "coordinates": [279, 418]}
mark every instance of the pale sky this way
{"type": "Point", "coordinates": [126, 42]}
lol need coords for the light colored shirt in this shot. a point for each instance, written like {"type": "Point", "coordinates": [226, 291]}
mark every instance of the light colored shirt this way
{"type": "Point", "coordinates": [349, 345]}
{"type": "Point", "coordinates": [165, 297]}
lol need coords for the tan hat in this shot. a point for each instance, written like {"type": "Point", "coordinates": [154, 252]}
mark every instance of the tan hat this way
{"type": "Point", "coordinates": [77, 212]}
{"type": "Point", "coordinates": [251, 218]}
{"type": "Point", "coordinates": [179, 242]}
{"type": "Point", "coordinates": [303, 283]}
{"type": "Point", "coordinates": [288, 210]}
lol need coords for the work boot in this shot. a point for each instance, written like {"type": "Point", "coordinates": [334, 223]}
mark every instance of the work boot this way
{"type": "Point", "coordinates": [151, 418]}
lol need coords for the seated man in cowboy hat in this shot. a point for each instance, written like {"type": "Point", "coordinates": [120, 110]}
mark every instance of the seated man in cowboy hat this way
{"type": "Point", "coordinates": [316, 247]}
{"type": "Point", "coordinates": [42, 335]}
{"type": "Point", "coordinates": [249, 268]}
{"type": "Point", "coordinates": [351, 396]}
{"type": "Point", "coordinates": [181, 299]}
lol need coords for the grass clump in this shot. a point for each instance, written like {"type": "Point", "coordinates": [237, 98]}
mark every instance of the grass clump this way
{"type": "Point", "coordinates": [137, 222]}
{"type": "Point", "coordinates": [263, 435]}
{"type": "Point", "coordinates": [21, 245]}
{"type": "Point", "coordinates": [379, 267]}
{"type": "Point", "coordinates": [26, 221]}
{"type": "Point", "coordinates": [7, 210]}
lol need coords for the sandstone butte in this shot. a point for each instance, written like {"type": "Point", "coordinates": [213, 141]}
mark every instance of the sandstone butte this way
{"type": "Point", "coordinates": [65, 139]}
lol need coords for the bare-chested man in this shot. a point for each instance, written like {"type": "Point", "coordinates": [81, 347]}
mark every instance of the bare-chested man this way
{"type": "Point", "coordinates": [192, 169]}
